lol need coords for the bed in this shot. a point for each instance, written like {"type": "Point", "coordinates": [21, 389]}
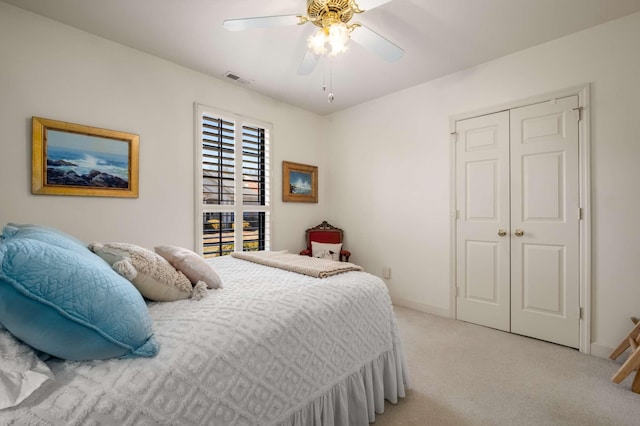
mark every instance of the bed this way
{"type": "Point", "coordinates": [270, 347]}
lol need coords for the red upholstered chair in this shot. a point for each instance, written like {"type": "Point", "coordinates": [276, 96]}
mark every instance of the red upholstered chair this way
{"type": "Point", "coordinates": [325, 233]}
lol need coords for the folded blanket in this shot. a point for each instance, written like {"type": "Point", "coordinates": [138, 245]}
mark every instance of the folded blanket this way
{"type": "Point", "coordinates": [319, 268]}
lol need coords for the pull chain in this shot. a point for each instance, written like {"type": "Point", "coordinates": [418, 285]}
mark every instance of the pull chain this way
{"type": "Point", "coordinates": [331, 97]}
{"type": "Point", "coordinates": [324, 73]}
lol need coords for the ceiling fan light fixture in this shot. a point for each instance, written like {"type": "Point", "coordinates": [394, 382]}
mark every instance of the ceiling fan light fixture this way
{"type": "Point", "coordinates": [317, 43]}
{"type": "Point", "coordinates": [338, 38]}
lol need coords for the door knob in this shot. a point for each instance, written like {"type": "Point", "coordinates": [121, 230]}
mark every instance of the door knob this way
{"type": "Point", "coordinates": [519, 232]}
{"type": "Point", "coordinates": [502, 232]}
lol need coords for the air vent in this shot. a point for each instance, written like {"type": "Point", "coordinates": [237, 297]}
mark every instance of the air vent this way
{"type": "Point", "coordinates": [237, 78]}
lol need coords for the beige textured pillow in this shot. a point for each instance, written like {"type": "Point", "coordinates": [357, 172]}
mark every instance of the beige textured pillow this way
{"type": "Point", "coordinates": [191, 265]}
{"type": "Point", "coordinates": [326, 250]}
{"type": "Point", "coordinates": [152, 275]}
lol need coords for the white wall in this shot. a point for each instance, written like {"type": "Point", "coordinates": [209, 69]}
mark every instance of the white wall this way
{"type": "Point", "coordinates": [389, 169]}
{"type": "Point", "coordinates": [54, 71]}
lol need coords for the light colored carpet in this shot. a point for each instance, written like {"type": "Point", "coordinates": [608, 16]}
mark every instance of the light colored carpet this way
{"type": "Point", "coordinates": [464, 374]}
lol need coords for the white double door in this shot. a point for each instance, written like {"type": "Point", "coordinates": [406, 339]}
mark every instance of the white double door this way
{"type": "Point", "coordinates": [517, 227]}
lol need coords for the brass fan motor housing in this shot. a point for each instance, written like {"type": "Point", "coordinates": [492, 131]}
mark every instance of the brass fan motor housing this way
{"type": "Point", "coordinates": [324, 13]}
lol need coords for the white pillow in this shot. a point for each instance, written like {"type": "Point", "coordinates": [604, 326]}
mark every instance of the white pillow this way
{"type": "Point", "coordinates": [326, 250]}
{"type": "Point", "coordinates": [149, 272]}
{"type": "Point", "coordinates": [191, 265]}
{"type": "Point", "coordinates": [21, 372]}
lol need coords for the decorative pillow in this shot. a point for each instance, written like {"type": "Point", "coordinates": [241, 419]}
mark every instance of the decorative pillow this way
{"type": "Point", "coordinates": [152, 275]}
{"type": "Point", "coordinates": [71, 304]}
{"type": "Point", "coordinates": [21, 371]}
{"type": "Point", "coordinates": [44, 234]}
{"type": "Point", "coordinates": [326, 250]}
{"type": "Point", "coordinates": [194, 267]}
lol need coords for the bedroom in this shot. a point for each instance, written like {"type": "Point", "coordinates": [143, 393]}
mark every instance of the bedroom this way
{"type": "Point", "coordinates": [52, 70]}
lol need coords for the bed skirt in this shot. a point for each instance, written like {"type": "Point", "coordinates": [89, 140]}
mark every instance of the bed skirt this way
{"type": "Point", "coordinates": [360, 396]}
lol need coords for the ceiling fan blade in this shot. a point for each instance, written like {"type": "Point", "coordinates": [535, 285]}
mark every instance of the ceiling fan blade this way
{"type": "Point", "coordinates": [374, 42]}
{"type": "Point", "coordinates": [370, 4]}
{"type": "Point", "coordinates": [308, 63]}
{"type": "Point", "coordinates": [260, 22]}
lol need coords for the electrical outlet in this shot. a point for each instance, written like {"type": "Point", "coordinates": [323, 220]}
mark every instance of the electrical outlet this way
{"type": "Point", "coordinates": [386, 272]}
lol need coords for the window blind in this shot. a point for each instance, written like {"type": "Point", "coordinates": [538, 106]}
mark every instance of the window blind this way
{"type": "Point", "coordinates": [218, 161]}
{"type": "Point", "coordinates": [235, 183]}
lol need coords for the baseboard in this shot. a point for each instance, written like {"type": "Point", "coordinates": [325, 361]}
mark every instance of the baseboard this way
{"type": "Point", "coordinates": [601, 351]}
{"type": "Point", "coordinates": [597, 350]}
{"type": "Point", "coordinates": [422, 307]}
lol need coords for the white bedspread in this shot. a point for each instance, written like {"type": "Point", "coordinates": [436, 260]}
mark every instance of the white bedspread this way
{"type": "Point", "coordinates": [271, 347]}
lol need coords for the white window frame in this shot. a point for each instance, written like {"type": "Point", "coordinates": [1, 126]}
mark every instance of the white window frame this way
{"type": "Point", "coordinates": [238, 208]}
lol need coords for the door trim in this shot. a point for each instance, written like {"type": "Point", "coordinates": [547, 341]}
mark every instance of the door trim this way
{"type": "Point", "coordinates": [584, 171]}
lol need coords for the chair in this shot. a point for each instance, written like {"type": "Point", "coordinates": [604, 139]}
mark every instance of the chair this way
{"type": "Point", "coordinates": [633, 362]}
{"type": "Point", "coordinates": [325, 233]}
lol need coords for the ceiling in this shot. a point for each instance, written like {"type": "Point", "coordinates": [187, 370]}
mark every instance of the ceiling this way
{"type": "Point", "coordinates": [439, 37]}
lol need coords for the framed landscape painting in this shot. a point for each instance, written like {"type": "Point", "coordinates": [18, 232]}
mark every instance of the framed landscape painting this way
{"type": "Point", "coordinates": [299, 182]}
{"type": "Point", "coordinates": [72, 159]}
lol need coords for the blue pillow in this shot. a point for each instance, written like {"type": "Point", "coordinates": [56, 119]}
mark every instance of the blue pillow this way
{"type": "Point", "coordinates": [44, 234]}
{"type": "Point", "coordinates": [69, 303]}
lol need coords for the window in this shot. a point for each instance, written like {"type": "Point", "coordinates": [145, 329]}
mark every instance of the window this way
{"type": "Point", "coordinates": [232, 183]}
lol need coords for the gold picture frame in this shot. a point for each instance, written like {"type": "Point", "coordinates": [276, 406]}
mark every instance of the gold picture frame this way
{"type": "Point", "coordinates": [73, 159]}
{"type": "Point", "coordinates": [299, 182]}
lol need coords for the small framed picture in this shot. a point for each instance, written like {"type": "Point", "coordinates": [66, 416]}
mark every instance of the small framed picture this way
{"type": "Point", "coordinates": [299, 182]}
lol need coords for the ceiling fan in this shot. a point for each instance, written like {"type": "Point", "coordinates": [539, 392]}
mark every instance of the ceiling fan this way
{"type": "Point", "coordinates": [332, 17]}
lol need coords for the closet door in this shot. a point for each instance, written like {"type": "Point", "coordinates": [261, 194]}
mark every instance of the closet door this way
{"type": "Point", "coordinates": [482, 226]}
{"type": "Point", "coordinates": [545, 221]}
